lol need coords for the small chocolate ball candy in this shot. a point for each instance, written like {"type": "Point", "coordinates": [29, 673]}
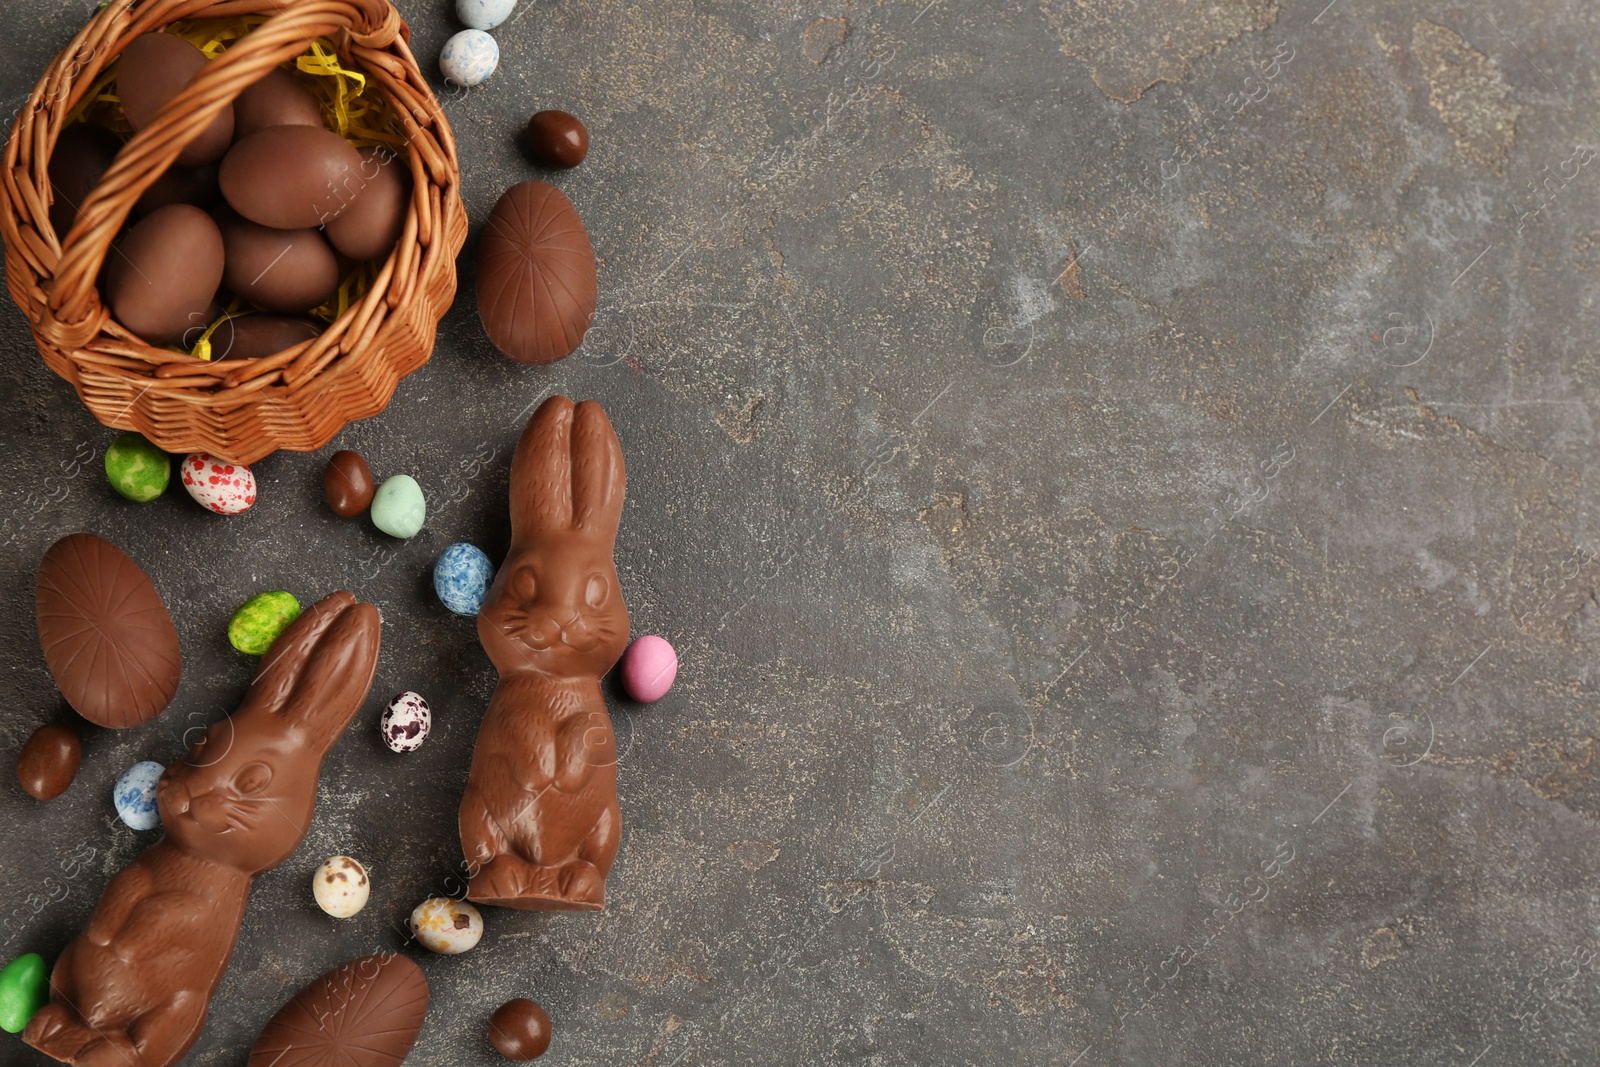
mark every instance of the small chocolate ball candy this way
{"type": "Point", "coordinates": [520, 1030]}
{"type": "Point", "coordinates": [557, 139]}
{"type": "Point", "coordinates": [49, 761]}
{"type": "Point", "coordinates": [348, 484]}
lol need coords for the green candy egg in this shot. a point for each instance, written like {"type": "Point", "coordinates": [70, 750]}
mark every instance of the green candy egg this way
{"type": "Point", "coordinates": [24, 989]}
{"type": "Point", "coordinates": [399, 509]}
{"type": "Point", "coordinates": [260, 620]}
{"type": "Point", "coordinates": [136, 468]}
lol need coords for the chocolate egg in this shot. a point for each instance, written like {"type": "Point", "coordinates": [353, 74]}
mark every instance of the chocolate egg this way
{"type": "Point", "coordinates": [49, 761]}
{"type": "Point", "coordinates": [279, 99]}
{"type": "Point", "coordinates": [154, 68]}
{"type": "Point", "coordinates": [165, 270]}
{"type": "Point", "coordinates": [181, 185]}
{"type": "Point", "coordinates": [82, 155]}
{"type": "Point", "coordinates": [348, 484]}
{"type": "Point", "coordinates": [254, 336]}
{"type": "Point", "coordinates": [537, 287]}
{"type": "Point", "coordinates": [556, 139]}
{"type": "Point", "coordinates": [106, 635]}
{"type": "Point", "coordinates": [291, 177]}
{"type": "Point", "coordinates": [366, 1013]}
{"type": "Point", "coordinates": [370, 226]}
{"type": "Point", "coordinates": [280, 270]}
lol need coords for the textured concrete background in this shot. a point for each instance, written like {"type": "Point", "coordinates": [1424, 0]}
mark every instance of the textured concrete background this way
{"type": "Point", "coordinates": [1116, 472]}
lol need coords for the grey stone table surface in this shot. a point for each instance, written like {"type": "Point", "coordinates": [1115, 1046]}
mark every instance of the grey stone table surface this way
{"type": "Point", "coordinates": [1117, 473]}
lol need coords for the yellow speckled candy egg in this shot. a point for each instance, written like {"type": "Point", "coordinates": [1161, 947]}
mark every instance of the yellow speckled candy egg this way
{"type": "Point", "coordinates": [341, 887]}
{"type": "Point", "coordinates": [448, 927]}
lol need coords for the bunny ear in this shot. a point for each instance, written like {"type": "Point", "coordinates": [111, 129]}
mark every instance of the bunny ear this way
{"type": "Point", "coordinates": [318, 672]}
{"type": "Point", "coordinates": [599, 476]}
{"type": "Point", "coordinates": [541, 471]}
{"type": "Point", "coordinates": [281, 667]}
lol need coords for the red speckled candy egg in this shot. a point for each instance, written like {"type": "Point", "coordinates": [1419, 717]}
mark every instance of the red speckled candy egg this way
{"type": "Point", "coordinates": [223, 487]}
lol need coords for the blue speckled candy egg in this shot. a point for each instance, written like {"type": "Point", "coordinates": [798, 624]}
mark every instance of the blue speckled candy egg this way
{"type": "Point", "coordinates": [484, 14]}
{"type": "Point", "coordinates": [406, 722]}
{"type": "Point", "coordinates": [461, 577]}
{"type": "Point", "coordinates": [135, 795]}
{"type": "Point", "coordinates": [469, 58]}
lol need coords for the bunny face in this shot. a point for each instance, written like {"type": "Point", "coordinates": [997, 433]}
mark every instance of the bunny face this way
{"type": "Point", "coordinates": [555, 608]}
{"type": "Point", "coordinates": [242, 796]}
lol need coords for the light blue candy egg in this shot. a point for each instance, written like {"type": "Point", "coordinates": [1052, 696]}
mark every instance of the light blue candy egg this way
{"type": "Point", "coordinates": [469, 58]}
{"type": "Point", "coordinates": [135, 795]}
{"type": "Point", "coordinates": [462, 577]}
{"type": "Point", "coordinates": [484, 14]}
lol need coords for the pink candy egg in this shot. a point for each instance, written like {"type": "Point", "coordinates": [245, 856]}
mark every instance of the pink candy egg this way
{"type": "Point", "coordinates": [223, 487]}
{"type": "Point", "coordinates": [649, 668]}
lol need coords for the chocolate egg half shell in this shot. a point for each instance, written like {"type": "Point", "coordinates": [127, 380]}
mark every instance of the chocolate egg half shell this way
{"type": "Point", "coordinates": [106, 634]}
{"type": "Point", "coordinates": [537, 287]}
{"type": "Point", "coordinates": [366, 1013]}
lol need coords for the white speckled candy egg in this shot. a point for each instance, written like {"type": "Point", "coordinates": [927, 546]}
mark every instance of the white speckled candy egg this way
{"type": "Point", "coordinates": [223, 487]}
{"type": "Point", "coordinates": [448, 927]}
{"type": "Point", "coordinates": [341, 886]}
{"type": "Point", "coordinates": [469, 58]}
{"type": "Point", "coordinates": [484, 14]}
{"type": "Point", "coordinates": [406, 722]}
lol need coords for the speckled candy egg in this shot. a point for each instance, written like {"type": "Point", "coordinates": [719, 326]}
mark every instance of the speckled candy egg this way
{"type": "Point", "coordinates": [461, 577]}
{"type": "Point", "coordinates": [448, 927]}
{"type": "Point", "coordinates": [135, 795]}
{"type": "Point", "coordinates": [484, 14]}
{"type": "Point", "coordinates": [341, 886]}
{"type": "Point", "coordinates": [259, 621]}
{"type": "Point", "coordinates": [136, 468]}
{"type": "Point", "coordinates": [406, 722]}
{"type": "Point", "coordinates": [217, 485]}
{"type": "Point", "coordinates": [469, 58]}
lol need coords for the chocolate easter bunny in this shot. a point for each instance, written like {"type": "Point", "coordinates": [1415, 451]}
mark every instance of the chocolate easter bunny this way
{"type": "Point", "coordinates": [133, 988]}
{"type": "Point", "coordinates": [539, 822]}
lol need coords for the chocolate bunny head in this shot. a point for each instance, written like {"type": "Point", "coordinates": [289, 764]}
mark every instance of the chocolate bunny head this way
{"type": "Point", "coordinates": [556, 607]}
{"type": "Point", "coordinates": [244, 794]}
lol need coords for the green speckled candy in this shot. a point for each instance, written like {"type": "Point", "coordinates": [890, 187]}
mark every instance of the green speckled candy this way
{"type": "Point", "coordinates": [398, 509]}
{"type": "Point", "coordinates": [137, 469]}
{"type": "Point", "coordinates": [260, 620]}
{"type": "Point", "coordinates": [24, 989]}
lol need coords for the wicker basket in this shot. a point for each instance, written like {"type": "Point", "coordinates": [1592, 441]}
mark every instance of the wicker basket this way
{"type": "Point", "coordinates": [240, 410]}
